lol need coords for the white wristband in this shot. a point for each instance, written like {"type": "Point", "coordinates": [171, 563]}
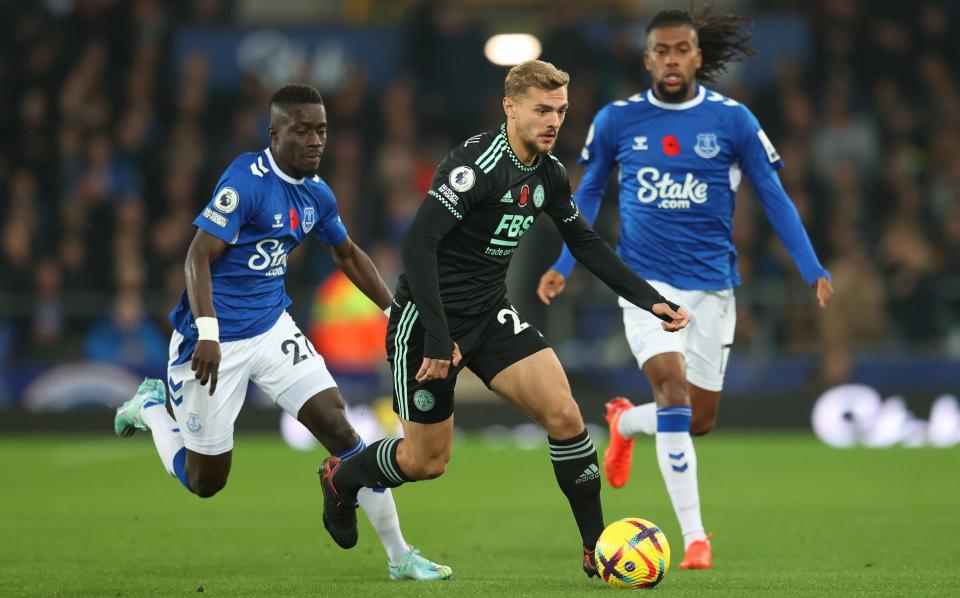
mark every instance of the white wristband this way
{"type": "Point", "coordinates": [208, 329]}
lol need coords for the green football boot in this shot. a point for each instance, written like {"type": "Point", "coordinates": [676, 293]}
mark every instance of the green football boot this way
{"type": "Point", "coordinates": [414, 566]}
{"type": "Point", "coordinates": [127, 421]}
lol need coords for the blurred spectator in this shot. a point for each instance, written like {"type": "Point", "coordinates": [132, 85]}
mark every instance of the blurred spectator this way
{"type": "Point", "coordinates": [117, 136]}
{"type": "Point", "coordinates": [127, 336]}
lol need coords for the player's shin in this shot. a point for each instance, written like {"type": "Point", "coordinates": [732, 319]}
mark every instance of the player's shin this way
{"type": "Point", "coordinates": [578, 475]}
{"type": "Point", "coordinates": [678, 465]}
{"type": "Point", "coordinates": [374, 467]}
{"type": "Point", "coordinates": [167, 439]}
{"type": "Point", "coordinates": [381, 510]}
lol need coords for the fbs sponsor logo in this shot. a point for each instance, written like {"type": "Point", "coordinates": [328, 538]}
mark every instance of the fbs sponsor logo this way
{"type": "Point", "coordinates": [671, 194]}
{"type": "Point", "coordinates": [590, 473]}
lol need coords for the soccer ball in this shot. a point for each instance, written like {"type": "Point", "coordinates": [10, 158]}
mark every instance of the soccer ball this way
{"type": "Point", "coordinates": [632, 553]}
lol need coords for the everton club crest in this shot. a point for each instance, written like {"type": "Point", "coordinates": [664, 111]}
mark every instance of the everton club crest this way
{"type": "Point", "coordinates": [707, 146]}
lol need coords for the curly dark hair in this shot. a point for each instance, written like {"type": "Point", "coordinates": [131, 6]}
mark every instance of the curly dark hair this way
{"type": "Point", "coordinates": [721, 38]}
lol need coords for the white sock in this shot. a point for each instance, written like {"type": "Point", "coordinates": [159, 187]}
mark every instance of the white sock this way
{"type": "Point", "coordinates": [642, 419]}
{"type": "Point", "coordinates": [381, 510]}
{"type": "Point", "coordinates": [678, 465]}
{"type": "Point", "coordinates": [166, 434]}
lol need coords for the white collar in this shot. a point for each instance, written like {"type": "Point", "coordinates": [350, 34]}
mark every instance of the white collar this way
{"type": "Point", "coordinates": [696, 101]}
{"type": "Point", "coordinates": [276, 169]}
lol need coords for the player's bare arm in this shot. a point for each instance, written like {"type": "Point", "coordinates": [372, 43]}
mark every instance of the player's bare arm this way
{"type": "Point", "coordinates": [359, 268]}
{"type": "Point", "coordinates": [204, 249]}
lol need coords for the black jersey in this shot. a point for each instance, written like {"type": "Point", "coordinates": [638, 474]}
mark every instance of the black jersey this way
{"type": "Point", "coordinates": [480, 203]}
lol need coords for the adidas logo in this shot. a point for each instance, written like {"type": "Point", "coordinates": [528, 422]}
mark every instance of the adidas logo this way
{"type": "Point", "coordinates": [507, 198]}
{"type": "Point", "coordinates": [590, 473]}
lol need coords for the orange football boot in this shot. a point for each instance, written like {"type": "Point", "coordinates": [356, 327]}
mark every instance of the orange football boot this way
{"type": "Point", "coordinates": [617, 457]}
{"type": "Point", "coordinates": [699, 555]}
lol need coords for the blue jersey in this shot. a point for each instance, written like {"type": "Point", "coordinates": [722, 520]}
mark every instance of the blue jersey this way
{"type": "Point", "coordinates": [679, 169]}
{"type": "Point", "coordinates": [263, 214]}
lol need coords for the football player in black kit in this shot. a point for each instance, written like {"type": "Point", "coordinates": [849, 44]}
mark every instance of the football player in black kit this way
{"type": "Point", "coordinates": [451, 309]}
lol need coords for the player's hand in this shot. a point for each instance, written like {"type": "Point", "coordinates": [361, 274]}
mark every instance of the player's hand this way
{"type": "Point", "coordinates": [551, 285]}
{"type": "Point", "coordinates": [824, 290]}
{"type": "Point", "coordinates": [206, 363]}
{"type": "Point", "coordinates": [437, 369]}
{"type": "Point", "coordinates": [678, 319]}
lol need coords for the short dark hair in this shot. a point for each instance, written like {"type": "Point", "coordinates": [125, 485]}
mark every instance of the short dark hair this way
{"type": "Point", "coordinates": [293, 94]}
{"type": "Point", "coordinates": [721, 39]}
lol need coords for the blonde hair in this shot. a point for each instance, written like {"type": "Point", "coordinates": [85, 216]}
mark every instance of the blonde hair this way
{"type": "Point", "coordinates": [533, 73]}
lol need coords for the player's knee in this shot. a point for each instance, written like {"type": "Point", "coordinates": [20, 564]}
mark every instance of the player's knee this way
{"type": "Point", "coordinates": [701, 426]}
{"type": "Point", "coordinates": [429, 468]}
{"type": "Point", "coordinates": [565, 421]}
{"type": "Point", "coordinates": [207, 487]}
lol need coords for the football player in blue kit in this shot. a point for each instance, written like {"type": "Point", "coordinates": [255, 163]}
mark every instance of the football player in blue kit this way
{"type": "Point", "coordinates": [681, 150]}
{"type": "Point", "coordinates": [231, 325]}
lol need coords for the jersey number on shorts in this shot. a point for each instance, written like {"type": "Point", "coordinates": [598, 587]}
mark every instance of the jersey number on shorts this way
{"type": "Point", "coordinates": [293, 344]}
{"type": "Point", "coordinates": [518, 326]}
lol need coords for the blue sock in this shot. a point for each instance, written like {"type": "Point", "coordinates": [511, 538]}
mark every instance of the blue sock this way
{"type": "Point", "coordinates": [346, 454]}
{"type": "Point", "coordinates": [179, 467]}
{"type": "Point", "coordinates": [674, 419]}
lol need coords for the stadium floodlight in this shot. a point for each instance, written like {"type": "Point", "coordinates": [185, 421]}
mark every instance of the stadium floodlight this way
{"type": "Point", "coordinates": [508, 49]}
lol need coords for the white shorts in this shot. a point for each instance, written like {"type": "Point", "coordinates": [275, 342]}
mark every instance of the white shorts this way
{"type": "Point", "coordinates": [705, 343]}
{"type": "Point", "coordinates": [281, 361]}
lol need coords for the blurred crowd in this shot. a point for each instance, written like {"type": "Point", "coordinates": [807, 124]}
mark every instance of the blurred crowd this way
{"type": "Point", "coordinates": [111, 149]}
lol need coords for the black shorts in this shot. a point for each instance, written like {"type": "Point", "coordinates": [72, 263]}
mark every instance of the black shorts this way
{"type": "Point", "coordinates": [488, 344]}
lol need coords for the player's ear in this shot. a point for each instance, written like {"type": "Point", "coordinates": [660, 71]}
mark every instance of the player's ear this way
{"type": "Point", "coordinates": [274, 134]}
{"type": "Point", "coordinates": [647, 62]}
{"type": "Point", "coordinates": [508, 107]}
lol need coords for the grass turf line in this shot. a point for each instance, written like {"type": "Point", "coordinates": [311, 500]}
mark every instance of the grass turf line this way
{"type": "Point", "coordinates": [98, 517]}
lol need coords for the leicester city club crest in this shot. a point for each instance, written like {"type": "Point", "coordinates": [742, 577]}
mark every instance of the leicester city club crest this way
{"type": "Point", "coordinates": [538, 196]}
{"type": "Point", "coordinates": [424, 400]}
{"type": "Point", "coordinates": [309, 219]}
{"type": "Point", "coordinates": [707, 146]}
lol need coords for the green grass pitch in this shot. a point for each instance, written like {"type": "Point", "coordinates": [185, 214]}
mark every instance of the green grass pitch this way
{"type": "Point", "coordinates": [97, 516]}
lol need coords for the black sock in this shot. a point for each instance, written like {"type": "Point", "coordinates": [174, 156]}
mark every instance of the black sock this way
{"type": "Point", "coordinates": [578, 474]}
{"type": "Point", "coordinates": [374, 467]}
